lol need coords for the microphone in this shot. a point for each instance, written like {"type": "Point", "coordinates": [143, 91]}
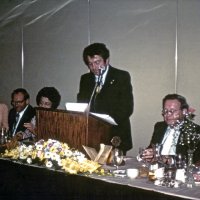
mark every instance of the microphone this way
{"type": "Point", "coordinates": [102, 69]}
{"type": "Point", "coordinates": [96, 89]}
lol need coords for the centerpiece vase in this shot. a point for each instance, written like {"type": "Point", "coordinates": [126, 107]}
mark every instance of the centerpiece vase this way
{"type": "Point", "coordinates": [189, 172]}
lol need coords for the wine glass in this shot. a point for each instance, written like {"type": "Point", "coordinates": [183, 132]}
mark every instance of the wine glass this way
{"type": "Point", "coordinates": [117, 157]}
{"type": "Point", "coordinates": [3, 136]}
{"type": "Point", "coordinates": [157, 148]}
{"type": "Point", "coordinates": [180, 161]}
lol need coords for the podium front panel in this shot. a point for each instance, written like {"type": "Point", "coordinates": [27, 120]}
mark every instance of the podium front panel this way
{"type": "Point", "coordinates": [74, 128]}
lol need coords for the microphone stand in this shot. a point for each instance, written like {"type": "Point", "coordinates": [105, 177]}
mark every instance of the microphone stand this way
{"type": "Point", "coordinates": [87, 111]}
{"type": "Point", "coordinates": [97, 84]}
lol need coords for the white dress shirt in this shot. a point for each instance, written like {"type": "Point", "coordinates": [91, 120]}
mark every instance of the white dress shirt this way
{"type": "Point", "coordinates": [20, 116]}
{"type": "Point", "coordinates": [103, 76]}
{"type": "Point", "coordinates": [170, 140]}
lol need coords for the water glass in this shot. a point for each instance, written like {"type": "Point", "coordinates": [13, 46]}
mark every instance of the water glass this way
{"type": "Point", "coordinates": [117, 157]}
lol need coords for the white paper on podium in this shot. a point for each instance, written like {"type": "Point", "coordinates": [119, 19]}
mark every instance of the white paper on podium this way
{"type": "Point", "coordinates": [81, 107]}
{"type": "Point", "coordinates": [105, 117]}
{"type": "Point", "coordinates": [78, 107]}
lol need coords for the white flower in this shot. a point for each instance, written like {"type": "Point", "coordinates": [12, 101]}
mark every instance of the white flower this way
{"type": "Point", "coordinates": [22, 148]}
{"type": "Point", "coordinates": [30, 148]}
{"type": "Point", "coordinates": [68, 153]}
{"type": "Point", "coordinates": [29, 160]}
{"type": "Point", "coordinates": [59, 162]}
{"type": "Point", "coordinates": [48, 164]}
{"type": "Point", "coordinates": [54, 156]}
{"type": "Point", "coordinates": [47, 155]}
{"type": "Point", "coordinates": [81, 158]}
{"type": "Point", "coordinates": [39, 147]}
{"type": "Point", "coordinates": [22, 156]}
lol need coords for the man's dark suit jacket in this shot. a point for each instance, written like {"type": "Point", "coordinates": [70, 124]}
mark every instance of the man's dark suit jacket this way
{"type": "Point", "coordinates": [114, 99]}
{"type": "Point", "coordinates": [159, 132]}
{"type": "Point", "coordinates": [27, 116]}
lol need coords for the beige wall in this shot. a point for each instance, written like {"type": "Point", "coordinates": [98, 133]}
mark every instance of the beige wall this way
{"type": "Point", "coordinates": [141, 35]}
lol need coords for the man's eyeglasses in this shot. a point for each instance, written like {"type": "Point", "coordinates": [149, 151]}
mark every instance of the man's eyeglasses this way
{"type": "Point", "coordinates": [17, 102]}
{"type": "Point", "coordinates": [171, 112]}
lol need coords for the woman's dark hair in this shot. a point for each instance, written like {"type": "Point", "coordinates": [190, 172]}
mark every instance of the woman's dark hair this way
{"type": "Point", "coordinates": [95, 49]}
{"type": "Point", "coordinates": [51, 93]}
{"type": "Point", "coordinates": [181, 99]}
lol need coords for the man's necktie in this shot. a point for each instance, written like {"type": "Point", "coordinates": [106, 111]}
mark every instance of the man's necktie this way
{"type": "Point", "coordinates": [15, 123]}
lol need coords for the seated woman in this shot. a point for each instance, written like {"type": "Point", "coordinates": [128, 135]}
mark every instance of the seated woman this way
{"type": "Point", "coordinates": [4, 116]}
{"type": "Point", "coordinates": [47, 97]}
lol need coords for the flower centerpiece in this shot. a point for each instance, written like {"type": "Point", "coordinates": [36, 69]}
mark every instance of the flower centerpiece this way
{"type": "Point", "coordinates": [190, 138]}
{"type": "Point", "coordinates": [54, 154]}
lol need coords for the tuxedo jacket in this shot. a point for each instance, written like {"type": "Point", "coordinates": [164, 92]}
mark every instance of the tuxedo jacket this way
{"type": "Point", "coordinates": [159, 132]}
{"type": "Point", "coordinates": [26, 117]}
{"type": "Point", "coordinates": [114, 99]}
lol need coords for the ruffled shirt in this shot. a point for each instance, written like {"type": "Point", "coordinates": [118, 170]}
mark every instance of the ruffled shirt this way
{"type": "Point", "coordinates": [170, 140]}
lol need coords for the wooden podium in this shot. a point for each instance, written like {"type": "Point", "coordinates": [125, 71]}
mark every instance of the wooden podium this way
{"type": "Point", "coordinates": [74, 128]}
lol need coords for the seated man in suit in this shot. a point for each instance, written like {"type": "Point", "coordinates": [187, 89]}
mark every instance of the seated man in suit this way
{"type": "Point", "coordinates": [172, 134]}
{"type": "Point", "coordinates": [108, 90]}
{"type": "Point", "coordinates": [22, 112]}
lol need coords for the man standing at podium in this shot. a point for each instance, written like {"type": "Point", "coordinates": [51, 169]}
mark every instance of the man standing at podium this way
{"type": "Point", "coordinates": [108, 90]}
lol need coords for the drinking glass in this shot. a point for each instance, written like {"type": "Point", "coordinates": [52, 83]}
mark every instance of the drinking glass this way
{"type": "Point", "coordinates": [140, 155]}
{"type": "Point", "coordinates": [141, 150]}
{"type": "Point", "coordinates": [157, 152]}
{"type": "Point", "coordinates": [180, 161]}
{"type": "Point", "coordinates": [3, 136]}
{"type": "Point", "coordinates": [117, 157]}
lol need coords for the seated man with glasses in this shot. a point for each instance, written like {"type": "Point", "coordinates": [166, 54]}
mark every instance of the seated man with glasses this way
{"type": "Point", "coordinates": [22, 112]}
{"type": "Point", "coordinates": [170, 134]}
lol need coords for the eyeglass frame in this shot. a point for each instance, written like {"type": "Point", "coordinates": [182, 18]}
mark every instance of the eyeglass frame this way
{"type": "Point", "coordinates": [17, 102]}
{"type": "Point", "coordinates": [165, 111]}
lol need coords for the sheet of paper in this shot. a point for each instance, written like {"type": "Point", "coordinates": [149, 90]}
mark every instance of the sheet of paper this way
{"type": "Point", "coordinates": [78, 107]}
{"type": "Point", "coordinates": [105, 117]}
{"type": "Point", "coordinates": [81, 107]}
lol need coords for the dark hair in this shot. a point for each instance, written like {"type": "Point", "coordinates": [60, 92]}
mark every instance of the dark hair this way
{"type": "Point", "coordinates": [20, 90]}
{"type": "Point", "coordinates": [181, 99]}
{"type": "Point", "coordinates": [52, 94]}
{"type": "Point", "coordinates": [95, 49]}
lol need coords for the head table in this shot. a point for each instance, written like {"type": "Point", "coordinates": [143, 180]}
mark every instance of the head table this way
{"type": "Point", "coordinates": [23, 181]}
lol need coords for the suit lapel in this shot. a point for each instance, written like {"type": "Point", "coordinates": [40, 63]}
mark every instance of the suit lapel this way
{"type": "Point", "coordinates": [23, 119]}
{"type": "Point", "coordinates": [110, 79]}
{"type": "Point", "coordinates": [161, 132]}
